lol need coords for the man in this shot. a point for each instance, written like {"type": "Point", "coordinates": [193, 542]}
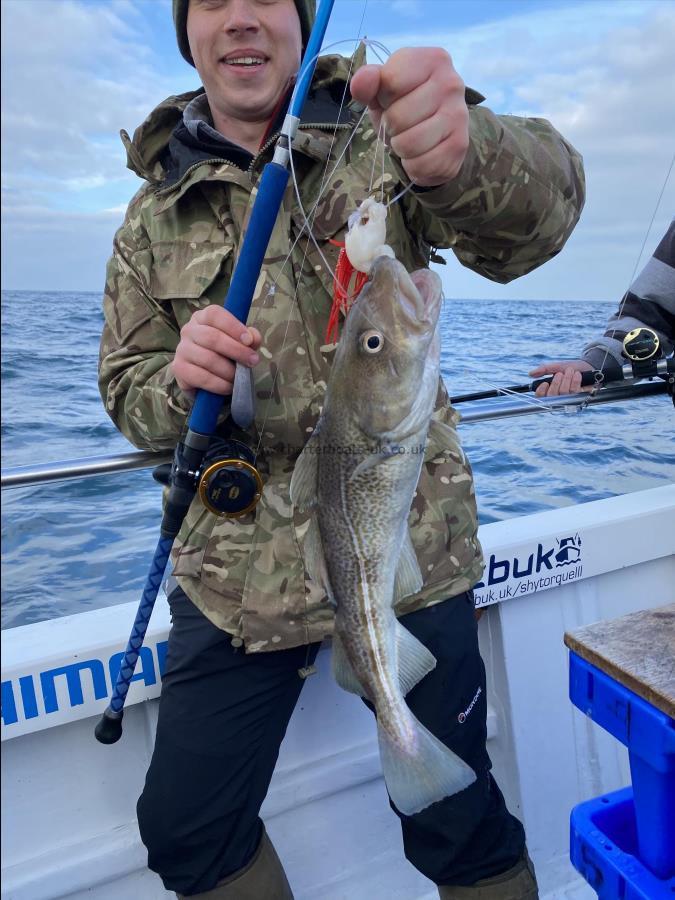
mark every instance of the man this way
{"type": "Point", "coordinates": [649, 301]}
{"type": "Point", "coordinates": [505, 194]}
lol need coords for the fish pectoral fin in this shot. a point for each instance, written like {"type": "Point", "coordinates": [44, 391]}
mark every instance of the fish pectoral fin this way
{"type": "Point", "coordinates": [305, 478]}
{"type": "Point", "coordinates": [371, 460]}
{"type": "Point", "coordinates": [444, 435]}
{"type": "Point", "coordinates": [343, 672]}
{"type": "Point", "coordinates": [423, 773]}
{"type": "Point", "coordinates": [414, 659]}
{"type": "Point", "coordinates": [315, 561]}
{"type": "Point", "coordinates": [408, 576]}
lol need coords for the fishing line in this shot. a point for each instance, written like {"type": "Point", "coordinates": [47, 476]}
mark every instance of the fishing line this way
{"type": "Point", "coordinates": [372, 168]}
{"type": "Point", "coordinates": [381, 138]}
{"type": "Point", "coordinates": [367, 42]}
{"type": "Point", "coordinates": [307, 225]}
{"type": "Point", "coordinates": [524, 398]}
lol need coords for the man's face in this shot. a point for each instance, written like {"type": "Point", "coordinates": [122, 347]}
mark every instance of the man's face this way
{"type": "Point", "coordinates": [245, 51]}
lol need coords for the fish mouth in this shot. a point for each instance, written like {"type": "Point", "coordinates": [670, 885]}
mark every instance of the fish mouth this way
{"type": "Point", "coordinates": [420, 292]}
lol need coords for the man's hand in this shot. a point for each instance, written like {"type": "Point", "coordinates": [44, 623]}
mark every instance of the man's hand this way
{"type": "Point", "coordinates": [210, 345]}
{"type": "Point", "coordinates": [566, 377]}
{"type": "Point", "coordinates": [420, 98]}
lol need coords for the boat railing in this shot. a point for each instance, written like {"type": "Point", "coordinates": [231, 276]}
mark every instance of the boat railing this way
{"type": "Point", "coordinates": [87, 467]}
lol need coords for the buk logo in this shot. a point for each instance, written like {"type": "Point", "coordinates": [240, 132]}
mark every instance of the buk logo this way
{"type": "Point", "coordinates": [569, 551]}
{"type": "Point", "coordinates": [546, 557]}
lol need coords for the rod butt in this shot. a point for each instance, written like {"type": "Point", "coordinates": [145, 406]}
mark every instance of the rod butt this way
{"type": "Point", "coordinates": [109, 728]}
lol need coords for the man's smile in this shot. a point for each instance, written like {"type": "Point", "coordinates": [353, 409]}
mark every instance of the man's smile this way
{"type": "Point", "coordinates": [245, 59]}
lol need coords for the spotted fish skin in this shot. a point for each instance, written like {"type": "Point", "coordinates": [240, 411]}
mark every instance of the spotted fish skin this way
{"type": "Point", "coordinates": [358, 475]}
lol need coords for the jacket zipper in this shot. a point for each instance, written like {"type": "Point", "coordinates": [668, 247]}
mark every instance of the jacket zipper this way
{"type": "Point", "coordinates": [322, 126]}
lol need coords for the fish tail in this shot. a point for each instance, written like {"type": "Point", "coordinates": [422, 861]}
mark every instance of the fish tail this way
{"type": "Point", "coordinates": [420, 771]}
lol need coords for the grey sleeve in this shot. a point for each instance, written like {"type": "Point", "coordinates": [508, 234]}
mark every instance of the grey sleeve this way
{"type": "Point", "coordinates": [650, 301]}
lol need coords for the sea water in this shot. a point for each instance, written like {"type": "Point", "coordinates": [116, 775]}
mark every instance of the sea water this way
{"type": "Point", "coordinates": [78, 545]}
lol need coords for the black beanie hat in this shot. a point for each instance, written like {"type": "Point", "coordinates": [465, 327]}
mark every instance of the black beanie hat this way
{"type": "Point", "coordinates": [306, 11]}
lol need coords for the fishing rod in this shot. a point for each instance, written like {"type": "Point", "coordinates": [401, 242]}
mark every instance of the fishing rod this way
{"type": "Point", "coordinates": [224, 475]}
{"type": "Point", "coordinates": [93, 466]}
{"type": "Point", "coordinates": [641, 349]}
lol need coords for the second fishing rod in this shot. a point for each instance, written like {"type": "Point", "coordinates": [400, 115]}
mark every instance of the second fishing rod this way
{"type": "Point", "coordinates": [644, 359]}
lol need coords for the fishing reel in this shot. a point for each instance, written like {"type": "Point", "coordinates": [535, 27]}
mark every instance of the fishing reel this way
{"type": "Point", "coordinates": [642, 348]}
{"type": "Point", "coordinates": [226, 478]}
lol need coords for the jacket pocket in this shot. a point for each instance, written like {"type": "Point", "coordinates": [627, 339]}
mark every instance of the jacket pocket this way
{"type": "Point", "coordinates": [186, 269]}
{"type": "Point", "coordinates": [215, 550]}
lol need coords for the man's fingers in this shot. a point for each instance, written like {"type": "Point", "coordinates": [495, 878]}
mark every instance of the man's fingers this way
{"type": "Point", "coordinates": [407, 69]}
{"type": "Point", "coordinates": [218, 342]}
{"type": "Point", "coordinates": [365, 85]}
{"type": "Point", "coordinates": [419, 105]}
{"type": "Point", "coordinates": [218, 317]}
{"type": "Point", "coordinates": [421, 139]}
{"type": "Point", "coordinates": [446, 157]}
{"type": "Point", "coordinates": [203, 369]}
{"type": "Point", "coordinates": [257, 338]}
{"type": "Point", "coordinates": [225, 346]}
{"type": "Point", "coordinates": [210, 345]}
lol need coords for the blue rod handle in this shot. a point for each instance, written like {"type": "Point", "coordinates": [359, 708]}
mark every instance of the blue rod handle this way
{"type": "Point", "coordinates": [109, 728]}
{"type": "Point", "coordinates": [207, 405]}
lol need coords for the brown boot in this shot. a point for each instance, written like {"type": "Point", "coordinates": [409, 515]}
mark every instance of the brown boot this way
{"type": "Point", "coordinates": [262, 879]}
{"type": "Point", "coordinates": [518, 883]}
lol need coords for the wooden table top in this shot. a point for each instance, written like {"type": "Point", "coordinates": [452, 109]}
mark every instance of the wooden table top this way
{"type": "Point", "coordinates": [637, 650]}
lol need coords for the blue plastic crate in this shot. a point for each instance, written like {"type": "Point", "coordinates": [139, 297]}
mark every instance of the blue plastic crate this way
{"type": "Point", "coordinates": [603, 848]}
{"type": "Point", "coordinates": [649, 735]}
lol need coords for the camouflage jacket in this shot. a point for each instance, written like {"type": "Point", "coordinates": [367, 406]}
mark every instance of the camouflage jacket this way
{"type": "Point", "coordinates": [513, 205]}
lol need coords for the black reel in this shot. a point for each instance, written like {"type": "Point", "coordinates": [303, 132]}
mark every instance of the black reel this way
{"type": "Point", "coordinates": [227, 480]}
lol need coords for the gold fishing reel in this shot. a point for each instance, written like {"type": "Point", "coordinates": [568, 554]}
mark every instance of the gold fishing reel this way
{"type": "Point", "coordinates": [229, 484]}
{"type": "Point", "coordinates": [641, 345]}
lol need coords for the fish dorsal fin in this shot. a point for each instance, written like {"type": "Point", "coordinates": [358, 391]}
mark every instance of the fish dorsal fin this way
{"type": "Point", "coordinates": [408, 576]}
{"type": "Point", "coordinates": [414, 660]}
{"type": "Point", "coordinates": [315, 561]}
{"type": "Point", "coordinates": [343, 672]}
{"type": "Point", "coordinates": [305, 478]}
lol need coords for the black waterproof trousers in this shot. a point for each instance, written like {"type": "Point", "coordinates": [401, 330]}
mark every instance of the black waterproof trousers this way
{"type": "Point", "coordinates": [223, 715]}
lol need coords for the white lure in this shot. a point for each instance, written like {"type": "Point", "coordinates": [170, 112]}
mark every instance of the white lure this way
{"type": "Point", "coordinates": [366, 235]}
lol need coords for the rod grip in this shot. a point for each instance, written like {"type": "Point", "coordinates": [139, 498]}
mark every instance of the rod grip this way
{"type": "Point", "coordinates": [587, 380]}
{"type": "Point", "coordinates": [207, 406]}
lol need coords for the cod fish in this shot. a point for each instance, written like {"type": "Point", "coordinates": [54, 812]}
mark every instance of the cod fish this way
{"type": "Point", "coordinates": [357, 475]}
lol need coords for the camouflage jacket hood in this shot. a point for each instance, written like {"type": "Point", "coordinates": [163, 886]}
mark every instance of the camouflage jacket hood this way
{"type": "Point", "coordinates": [153, 152]}
{"type": "Point", "coordinates": [513, 205]}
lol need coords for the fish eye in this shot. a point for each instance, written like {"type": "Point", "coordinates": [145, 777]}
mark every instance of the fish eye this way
{"type": "Point", "coordinates": [372, 341]}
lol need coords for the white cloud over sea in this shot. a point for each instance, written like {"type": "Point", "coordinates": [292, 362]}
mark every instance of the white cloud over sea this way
{"type": "Point", "coordinates": [76, 71]}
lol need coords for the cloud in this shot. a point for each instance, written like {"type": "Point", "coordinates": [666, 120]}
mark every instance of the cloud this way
{"type": "Point", "coordinates": [73, 75]}
{"type": "Point", "coordinates": [76, 72]}
{"type": "Point", "coordinates": [603, 75]}
{"type": "Point", "coordinates": [406, 7]}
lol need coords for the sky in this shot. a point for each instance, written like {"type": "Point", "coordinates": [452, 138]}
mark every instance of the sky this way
{"type": "Point", "coordinates": [75, 72]}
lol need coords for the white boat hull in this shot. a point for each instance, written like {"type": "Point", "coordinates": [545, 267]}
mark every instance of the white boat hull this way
{"type": "Point", "coordinates": [68, 803]}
